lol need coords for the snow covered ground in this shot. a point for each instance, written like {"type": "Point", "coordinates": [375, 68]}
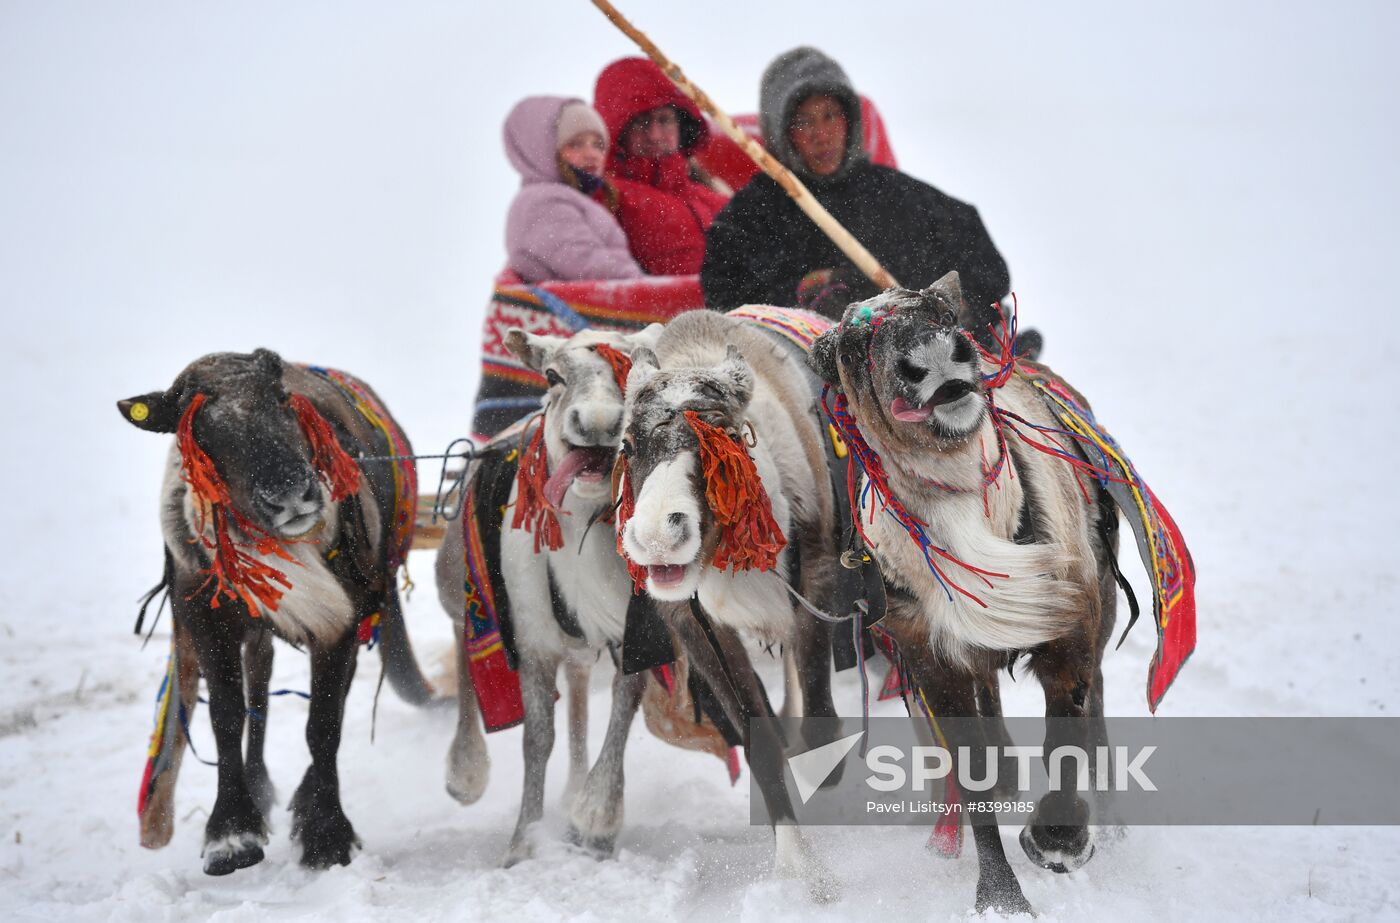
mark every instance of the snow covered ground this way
{"type": "Point", "coordinates": [1198, 203]}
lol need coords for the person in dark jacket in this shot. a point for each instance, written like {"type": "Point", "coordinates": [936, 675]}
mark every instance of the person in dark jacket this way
{"type": "Point", "coordinates": [762, 249]}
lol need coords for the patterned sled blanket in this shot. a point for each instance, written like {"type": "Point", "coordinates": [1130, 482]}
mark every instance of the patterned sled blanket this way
{"type": "Point", "coordinates": [1160, 543]}
{"type": "Point", "coordinates": [508, 389]}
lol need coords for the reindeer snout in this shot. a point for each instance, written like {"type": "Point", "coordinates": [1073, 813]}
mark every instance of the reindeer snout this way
{"type": "Point", "coordinates": [593, 424]}
{"type": "Point", "coordinates": [297, 504]}
{"type": "Point", "coordinates": [665, 526]}
{"type": "Point", "coordinates": [669, 538]}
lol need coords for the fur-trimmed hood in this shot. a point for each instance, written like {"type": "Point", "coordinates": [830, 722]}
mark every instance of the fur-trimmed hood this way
{"type": "Point", "coordinates": [788, 80]}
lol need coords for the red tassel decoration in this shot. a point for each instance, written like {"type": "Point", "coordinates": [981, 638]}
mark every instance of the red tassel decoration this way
{"type": "Point", "coordinates": [626, 505]}
{"type": "Point", "coordinates": [532, 510]}
{"type": "Point", "coordinates": [749, 536]}
{"type": "Point", "coordinates": [235, 574]}
{"type": "Point", "coordinates": [621, 364]}
{"type": "Point", "coordinates": [332, 462]}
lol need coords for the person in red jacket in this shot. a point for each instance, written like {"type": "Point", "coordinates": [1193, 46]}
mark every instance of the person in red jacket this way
{"type": "Point", "coordinates": [655, 127]}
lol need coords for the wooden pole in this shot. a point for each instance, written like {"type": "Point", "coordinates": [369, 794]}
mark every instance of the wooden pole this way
{"type": "Point", "coordinates": [794, 187]}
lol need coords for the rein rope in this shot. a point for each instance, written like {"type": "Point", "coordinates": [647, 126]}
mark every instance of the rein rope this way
{"type": "Point", "coordinates": [877, 483]}
{"type": "Point", "coordinates": [837, 410]}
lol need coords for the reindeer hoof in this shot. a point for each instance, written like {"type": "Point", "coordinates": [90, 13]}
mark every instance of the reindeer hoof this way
{"type": "Point", "coordinates": [324, 848]}
{"type": "Point", "coordinates": [601, 846]}
{"type": "Point", "coordinates": [1004, 899]}
{"type": "Point", "coordinates": [1059, 849]}
{"type": "Point", "coordinates": [326, 836]}
{"type": "Point", "coordinates": [326, 841]}
{"type": "Point", "coordinates": [468, 772]}
{"type": "Point", "coordinates": [519, 851]}
{"type": "Point", "coordinates": [233, 852]}
{"type": "Point", "coordinates": [470, 793]}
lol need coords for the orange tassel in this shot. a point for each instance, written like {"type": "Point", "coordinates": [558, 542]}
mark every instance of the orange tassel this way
{"type": "Point", "coordinates": [332, 462]}
{"type": "Point", "coordinates": [749, 535]}
{"type": "Point", "coordinates": [621, 364]}
{"type": "Point", "coordinates": [234, 573]}
{"type": "Point", "coordinates": [626, 505]}
{"type": "Point", "coordinates": [532, 510]}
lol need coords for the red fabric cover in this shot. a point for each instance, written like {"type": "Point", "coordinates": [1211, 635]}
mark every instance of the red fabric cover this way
{"type": "Point", "coordinates": [1176, 630]}
{"type": "Point", "coordinates": [606, 302]}
{"type": "Point", "coordinates": [497, 691]}
{"type": "Point", "coordinates": [727, 161]}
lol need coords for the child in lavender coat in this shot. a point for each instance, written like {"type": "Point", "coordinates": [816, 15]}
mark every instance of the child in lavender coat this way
{"type": "Point", "coordinates": [560, 226]}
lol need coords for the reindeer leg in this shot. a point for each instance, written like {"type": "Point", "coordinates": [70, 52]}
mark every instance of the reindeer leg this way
{"type": "Point", "coordinates": [989, 707]}
{"type": "Point", "coordinates": [1067, 671]}
{"type": "Point", "coordinates": [812, 637]}
{"type": "Point", "coordinates": [951, 692]}
{"type": "Point", "coordinates": [741, 700]}
{"type": "Point", "coordinates": [812, 658]}
{"type": "Point", "coordinates": [468, 761]}
{"type": "Point", "coordinates": [318, 819]}
{"type": "Point", "coordinates": [576, 673]}
{"type": "Point", "coordinates": [257, 673]}
{"type": "Point", "coordinates": [1109, 819]}
{"type": "Point", "coordinates": [537, 676]}
{"type": "Point", "coordinates": [596, 816]}
{"type": "Point", "coordinates": [235, 832]}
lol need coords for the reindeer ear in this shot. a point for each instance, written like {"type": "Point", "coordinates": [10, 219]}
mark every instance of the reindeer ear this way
{"type": "Point", "coordinates": [269, 363]}
{"type": "Point", "coordinates": [534, 351]}
{"type": "Point", "coordinates": [644, 338]}
{"type": "Point", "coordinates": [644, 365]}
{"type": "Point", "coordinates": [822, 358]}
{"type": "Point", "coordinates": [739, 375]}
{"type": "Point", "coordinates": [948, 292]}
{"type": "Point", "coordinates": [156, 412]}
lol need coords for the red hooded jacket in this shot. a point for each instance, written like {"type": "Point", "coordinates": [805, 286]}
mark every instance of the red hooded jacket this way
{"type": "Point", "coordinates": [661, 209]}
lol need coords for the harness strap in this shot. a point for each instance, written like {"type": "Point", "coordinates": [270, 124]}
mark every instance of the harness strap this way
{"type": "Point", "coordinates": [563, 616]}
{"type": "Point", "coordinates": [1127, 588]}
{"type": "Point", "coordinates": [703, 620]}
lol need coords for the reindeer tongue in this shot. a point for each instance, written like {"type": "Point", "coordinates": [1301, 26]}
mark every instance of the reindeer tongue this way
{"type": "Point", "coordinates": [906, 412]}
{"type": "Point", "coordinates": [591, 463]}
{"type": "Point", "coordinates": [666, 574]}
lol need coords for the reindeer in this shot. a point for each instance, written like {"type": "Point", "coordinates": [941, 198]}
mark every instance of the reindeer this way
{"type": "Point", "coordinates": [569, 591]}
{"type": "Point", "coordinates": [726, 504]}
{"type": "Point", "coordinates": [272, 527]}
{"type": "Point", "coordinates": [1029, 552]}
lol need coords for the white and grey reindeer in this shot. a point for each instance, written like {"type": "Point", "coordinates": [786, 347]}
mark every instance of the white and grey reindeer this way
{"type": "Point", "coordinates": [567, 603]}
{"type": "Point", "coordinates": [918, 396]}
{"type": "Point", "coordinates": [715, 385]}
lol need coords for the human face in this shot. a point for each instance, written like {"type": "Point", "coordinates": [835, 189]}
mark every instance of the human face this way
{"type": "Point", "coordinates": [818, 134]}
{"type": "Point", "coordinates": [585, 151]}
{"type": "Point", "coordinates": [656, 133]}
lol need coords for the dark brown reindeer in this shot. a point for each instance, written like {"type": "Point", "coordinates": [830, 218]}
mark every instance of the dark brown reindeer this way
{"type": "Point", "coordinates": [913, 386]}
{"type": "Point", "coordinates": [272, 527]}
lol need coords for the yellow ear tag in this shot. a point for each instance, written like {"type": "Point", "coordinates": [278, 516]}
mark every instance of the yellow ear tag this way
{"type": "Point", "coordinates": [838, 445]}
{"type": "Point", "coordinates": [139, 412]}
